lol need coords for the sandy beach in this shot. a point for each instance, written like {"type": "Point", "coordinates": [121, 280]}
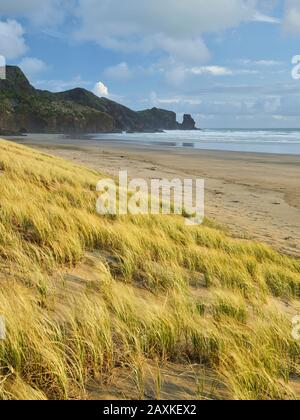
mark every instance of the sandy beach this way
{"type": "Point", "coordinates": [254, 195]}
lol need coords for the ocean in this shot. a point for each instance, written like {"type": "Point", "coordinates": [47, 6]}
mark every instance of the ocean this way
{"type": "Point", "coordinates": [278, 141]}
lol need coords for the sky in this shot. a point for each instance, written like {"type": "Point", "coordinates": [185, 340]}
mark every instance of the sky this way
{"type": "Point", "coordinates": [227, 62]}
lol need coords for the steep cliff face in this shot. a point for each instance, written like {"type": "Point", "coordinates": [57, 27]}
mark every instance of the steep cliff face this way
{"type": "Point", "coordinates": [188, 123]}
{"type": "Point", "coordinates": [22, 107]}
{"type": "Point", "coordinates": [159, 119]}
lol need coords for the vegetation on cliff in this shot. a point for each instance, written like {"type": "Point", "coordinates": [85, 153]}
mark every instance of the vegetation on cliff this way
{"type": "Point", "coordinates": [22, 107]}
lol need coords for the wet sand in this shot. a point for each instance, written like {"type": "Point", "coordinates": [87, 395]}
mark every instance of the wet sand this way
{"type": "Point", "coordinates": [255, 195]}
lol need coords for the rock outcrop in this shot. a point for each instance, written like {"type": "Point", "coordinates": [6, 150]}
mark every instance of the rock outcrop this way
{"type": "Point", "coordinates": [24, 108]}
{"type": "Point", "coordinates": [188, 123]}
{"type": "Point", "coordinates": [158, 119]}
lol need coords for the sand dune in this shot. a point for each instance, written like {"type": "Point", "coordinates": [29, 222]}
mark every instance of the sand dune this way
{"type": "Point", "coordinates": [255, 195]}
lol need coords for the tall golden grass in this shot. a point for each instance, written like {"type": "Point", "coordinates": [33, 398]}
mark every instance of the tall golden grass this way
{"type": "Point", "coordinates": [150, 290]}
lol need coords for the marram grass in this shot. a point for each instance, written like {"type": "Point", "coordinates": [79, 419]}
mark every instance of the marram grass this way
{"type": "Point", "coordinates": [150, 291]}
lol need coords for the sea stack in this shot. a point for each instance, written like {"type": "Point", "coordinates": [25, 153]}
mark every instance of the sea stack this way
{"type": "Point", "coordinates": [188, 123]}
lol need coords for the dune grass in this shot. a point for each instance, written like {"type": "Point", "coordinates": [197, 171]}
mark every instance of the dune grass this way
{"type": "Point", "coordinates": [153, 290]}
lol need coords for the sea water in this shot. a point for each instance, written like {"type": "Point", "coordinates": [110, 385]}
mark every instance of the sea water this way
{"type": "Point", "coordinates": [278, 141]}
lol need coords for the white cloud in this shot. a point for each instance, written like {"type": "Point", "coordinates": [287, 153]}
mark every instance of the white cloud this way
{"type": "Point", "coordinates": [51, 12]}
{"type": "Point", "coordinates": [261, 17]}
{"type": "Point", "coordinates": [193, 102]}
{"type": "Point", "coordinates": [175, 75]}
{"type": "Point", "coordinates": [18, 7]}
{"type": "Point", "coordinates": [61, 85]}
{"type": "Point", "coordinates": [212, 70]}
{"type": "Point", "coordinates": [119, 72]}
{"type": "Point", "coordinates": [280, 117]}
{"type": "Point", "coordinates": [100, 89]}
{"type": "Point", "coordinates": [184, 50]}
{"type": "Point", "coordinates": [178, 102]}
{"type": "Point", "coordinates": [153, 98]}
{"type": "Point", "coordinates": [32, 66]}
{"type": "Point", "coordinates": [173, 26]}
{"type": "Point", "coordinates": [292, 16]}
{"type": "Point", "coordinates": [12, 43]}
{"type": "Point", "coordinates": [168, 101]}
{"type": "Point", "coordinates": [263, 63]}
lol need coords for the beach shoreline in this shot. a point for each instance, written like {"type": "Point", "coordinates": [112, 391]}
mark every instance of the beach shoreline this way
{"type": "Point", "coordinates": [255, 195]}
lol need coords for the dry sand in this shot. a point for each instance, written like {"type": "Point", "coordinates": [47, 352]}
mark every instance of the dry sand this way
{"type": "Point", "coordinates": [255, 195]}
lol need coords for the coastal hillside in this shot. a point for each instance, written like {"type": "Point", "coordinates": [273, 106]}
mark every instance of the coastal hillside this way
{"type": "Point", "coordinates": [26, 109]}
{"type": "Point", "coordinates": [133, 307]}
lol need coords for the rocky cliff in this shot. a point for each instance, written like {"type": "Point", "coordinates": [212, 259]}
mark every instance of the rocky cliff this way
{"type": "Point", "coordinates": [22, 107]}
{"type": "Point", "coordinates": [188, 123]}
{"type": "Point", "coordinates": [158, 119]}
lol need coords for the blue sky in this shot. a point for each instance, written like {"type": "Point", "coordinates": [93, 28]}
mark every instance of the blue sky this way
{"type": "Point", "coordinates": [227, 62]}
